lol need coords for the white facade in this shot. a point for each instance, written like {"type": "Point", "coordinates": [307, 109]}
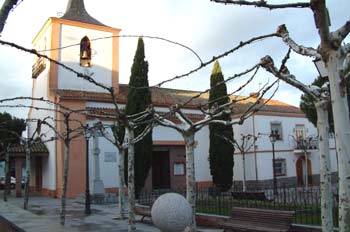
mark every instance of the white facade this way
{"type": "Point", "coordinates": [259, 159]}
{"type": "Point", "coordinates": [40, 90]}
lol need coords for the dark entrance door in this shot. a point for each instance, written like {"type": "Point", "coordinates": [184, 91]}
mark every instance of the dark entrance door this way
{"type": "Point", "coordinates": [38, 174]}
{"type": "Point", "coordinates": [160, 170]}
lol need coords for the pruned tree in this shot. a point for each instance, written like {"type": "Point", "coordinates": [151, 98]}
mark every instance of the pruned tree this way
{"type": "Point", "coordinates": [335, 56]}
{"type": "Point", "coordinates": [321, 101]}
{"type": "Point", "coordinates": [308, 107]}
{"type": "Point", "coordinates": [245, 143]}
{"type": "Point", "coordinates": [220, 151]}
{"type": "Point", "coordinates": [188, 128]}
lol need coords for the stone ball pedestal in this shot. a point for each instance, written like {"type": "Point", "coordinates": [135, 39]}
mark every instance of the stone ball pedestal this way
{"type": "Point", "coordinates": [171, 212]}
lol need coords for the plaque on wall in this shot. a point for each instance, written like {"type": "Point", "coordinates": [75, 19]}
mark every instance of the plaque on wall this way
{"type": "Point", "coordinates": [110, 157]}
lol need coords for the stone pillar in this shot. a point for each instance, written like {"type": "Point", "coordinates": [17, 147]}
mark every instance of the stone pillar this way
{"type": "Point", "coordinates": [19, 165]}
{"type": "Point", "coordinates": [97, 184]}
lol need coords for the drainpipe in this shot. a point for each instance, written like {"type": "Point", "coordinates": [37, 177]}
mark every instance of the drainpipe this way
{"type": "Point", "coordinates": [255, 157]}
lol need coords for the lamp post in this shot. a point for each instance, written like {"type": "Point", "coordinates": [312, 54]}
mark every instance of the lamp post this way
{"type": "Point", "coordinates": [321, 68]}
{"type": "Point", "coordinates": [273, 137]}
{"type": "Point", "coordinates": [87, 185]}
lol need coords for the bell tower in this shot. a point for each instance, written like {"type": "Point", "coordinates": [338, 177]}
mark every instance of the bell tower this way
{"type": "Point", "coordinates": [75, 40]}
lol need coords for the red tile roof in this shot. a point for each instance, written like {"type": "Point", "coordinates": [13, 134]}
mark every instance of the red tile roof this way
{"type": "Point", "coordinates": [100, 112]}
{"type": "Point", "coordinates": [166, 97]}
{"type": "Point", "coordinates": [35, 148]}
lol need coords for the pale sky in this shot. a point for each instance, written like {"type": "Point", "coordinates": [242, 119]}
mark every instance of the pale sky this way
{"type": "Point", "coordinates": [207, 27]}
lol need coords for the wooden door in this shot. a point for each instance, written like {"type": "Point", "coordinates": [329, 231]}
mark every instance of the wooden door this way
{"type": "Point", "coordinates": [160, 170]}
{"type": "Point", "coordinates": [38, 174]}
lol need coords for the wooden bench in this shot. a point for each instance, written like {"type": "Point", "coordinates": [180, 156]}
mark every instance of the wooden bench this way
{"type": "Point", "coordinates": [144, 211]}
{"type": "Point", "coordinates": [258, 196]}
{"type": "Point", "coordinates": [252, 219]}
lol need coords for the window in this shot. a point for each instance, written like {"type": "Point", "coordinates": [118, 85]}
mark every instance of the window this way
{"type": "Point", "coordinates": [85, 52]}
{"type": "Point", "coordinates": [179, 169]}
{"type": "Point", "coordinates": [280, 167]}
{"type": "Point", "coordinates": [276, 127]}
{"type": "Point", "coordinates": [299, 131]}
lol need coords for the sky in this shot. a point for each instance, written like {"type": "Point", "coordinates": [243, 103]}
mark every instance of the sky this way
{"type": "Point", "coordinates": [206, 27]}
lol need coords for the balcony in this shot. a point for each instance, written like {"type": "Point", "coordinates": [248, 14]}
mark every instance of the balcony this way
{"type": "Point", "coordinates": [302, 144]}
{"type": "Point", "coordinates": [38, 67]}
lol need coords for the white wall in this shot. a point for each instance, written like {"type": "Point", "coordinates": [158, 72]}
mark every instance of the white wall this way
{"type": "Point", "coordinates": [40, 91]}
{"type": "Point", "coordinates": [102, 51]}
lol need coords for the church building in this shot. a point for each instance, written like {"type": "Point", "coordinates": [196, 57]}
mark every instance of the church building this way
{"type": "Point", "coordinates": [72, 41]}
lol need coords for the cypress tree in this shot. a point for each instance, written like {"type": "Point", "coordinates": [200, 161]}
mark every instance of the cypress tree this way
{"type": "Point", "coordinates": [137, 101]}
{"type": "Point", "coordinates": [220, 151]}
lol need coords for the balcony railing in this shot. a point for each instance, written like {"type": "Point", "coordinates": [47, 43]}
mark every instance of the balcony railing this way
{"type": "Point", "coordinates": [309, 143]}
{"type": "Point", "coordinates": [38, 67]}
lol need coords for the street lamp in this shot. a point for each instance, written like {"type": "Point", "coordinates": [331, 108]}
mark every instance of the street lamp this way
{"type": "Point", "coordinates": [87, 185]}
{"type": "Point", "coordinates": [273, 137]}
{"type": "Point", "coordinates": [321, 67]}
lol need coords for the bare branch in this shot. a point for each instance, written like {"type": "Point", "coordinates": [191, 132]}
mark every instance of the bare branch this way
{"type": "Point", "coordinates": [268, 64]}
{"type": "Point", "coordinates": [264, 4]}
{"type": "Point", "coordinates": [204, 64]}
{"type": "Point", "coordinates": [305, 51]}
{"type": "Point", "coordinates": [339, 35]}
{"type": "Point", "coordinates": [4, 12]}
{"type": "Point", "coordinates": [255, 67]}
{"type": "Point", "coordinates": [33, 51]}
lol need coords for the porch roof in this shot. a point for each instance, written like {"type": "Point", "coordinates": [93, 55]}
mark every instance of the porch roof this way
{"type": "Point", "coordinates": [37, 149]}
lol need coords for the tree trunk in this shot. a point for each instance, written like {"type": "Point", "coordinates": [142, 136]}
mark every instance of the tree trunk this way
{"type": "Point", "coordinates": [64, 181]}
{"type": "Point", "coordinates": [244, 176]}
{"type": "Point", "coordinates": [306, 173]}
{"type": "Point", "coordinates": [131, 180]}
{"type": "Point", "coordinates": [342, 135]}
{"type": "Point", "coordinates": [190, 177]}
{"type": "Point", "coordinates": [7, 187]}
{"type": "Point", "coordinates": [122, 210]}
{"type": "Point", "coordinates": [26, 187]}
{"type": "Point", "coordinates": [325, 166]}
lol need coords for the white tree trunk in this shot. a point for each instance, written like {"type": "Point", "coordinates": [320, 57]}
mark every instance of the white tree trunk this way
{"type": "Point", "coordinates": [306, 171]}
{"type": "Point", "coordinates": [7, 173]}
{"type": "Point", "coordinates": [64, 181]}
{"type": "Point", "coordinates": [190, 177]}
{"type": "Point", "coordinates": [325, 166]}
{"type": "Point", "coordinates": [131, 180]}
{"type": "Point", "coordinates": [26, 187]}
{"type": "Point", "coordinates": [122, 210]}
{"type": "Point", "coordinates": [244, 176]}
{"type": "Point", "coordinates": [342, 135]}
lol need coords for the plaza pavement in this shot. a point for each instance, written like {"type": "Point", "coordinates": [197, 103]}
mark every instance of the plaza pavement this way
{"type": "Point", "coordinates": [43, 216]}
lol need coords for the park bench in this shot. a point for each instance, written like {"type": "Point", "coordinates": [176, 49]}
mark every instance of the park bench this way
{"type": "Point", "coordinates": [252, 219]}
{"type": "Point", "coordinates": [258, 196]}
{"type": "Point", "coordinates": [144, 211]}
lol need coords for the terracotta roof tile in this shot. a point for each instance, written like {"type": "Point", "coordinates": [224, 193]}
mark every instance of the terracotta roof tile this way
{"type": "Point", "coordinates": [35, 148]}
{"type": "Point", "coordinates": [95, 111]}
{"type": "Point", "coordinates": [166, 97]}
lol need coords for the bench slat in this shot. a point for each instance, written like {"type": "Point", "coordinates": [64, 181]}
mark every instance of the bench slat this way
{"type": "Point", "coordinates": [252, 219]}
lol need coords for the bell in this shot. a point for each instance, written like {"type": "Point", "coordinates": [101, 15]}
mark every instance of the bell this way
{"type": "Point", "coordinates": [84, 56]}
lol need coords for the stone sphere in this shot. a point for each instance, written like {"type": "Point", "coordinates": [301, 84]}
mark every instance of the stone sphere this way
{"type": "Point", "coordinates": [171, 212]}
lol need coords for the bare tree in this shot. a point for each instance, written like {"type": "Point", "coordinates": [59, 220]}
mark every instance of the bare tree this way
{"type": "Point", "coordinates": [321, 100]}
{"type": "Point", "coordinates": [335, 56]}
{"type": "Point", "coordinates": [245, 144]}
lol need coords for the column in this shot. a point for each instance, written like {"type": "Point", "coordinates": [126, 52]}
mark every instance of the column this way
{"type": "Point", "coordinates": [97, 184]}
